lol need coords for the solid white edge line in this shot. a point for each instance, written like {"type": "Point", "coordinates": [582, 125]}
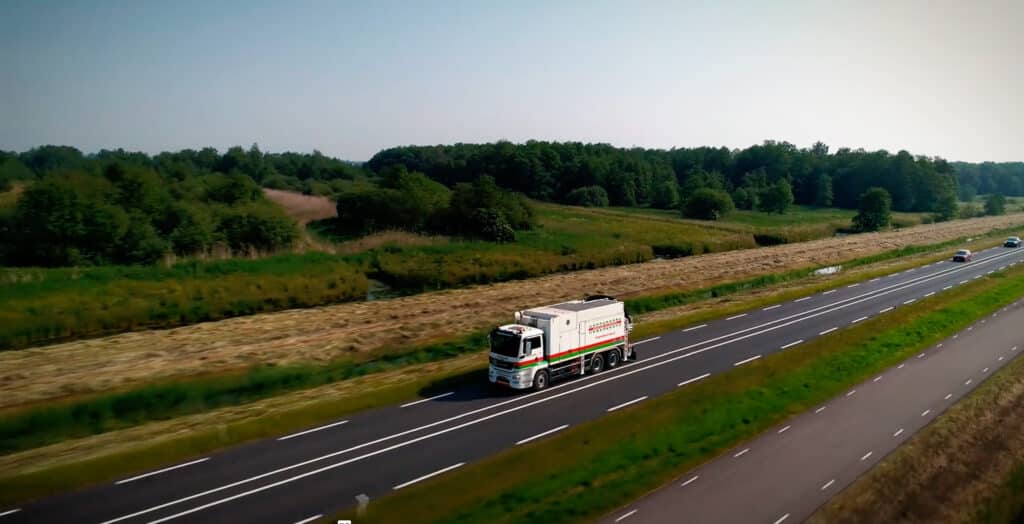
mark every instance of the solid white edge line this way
{"type": "Point", "coordinates": [782, 519]}
{"type": "Point", "coordinates": [9, 512]}
{"type": "Point", "coordinates": [827, 484]}
{"type": "Point", "coordinates": [692, 380]}
{"type": "Point", "coordinates": [688, 482]}
{"type": "Point", "coordinates": [827, 331]}
{"type": "Point", "coordinates": [320, 428]}
{"type": "Point", "coordinates": [624, 404]}
{"type": "Point", "coordinates": [791, 344]}
{"type": "Point", "coordinates": [427, 476]}
{"type": "Point", "coordinates": [716, 342]}
{"type": "Point", "coordinates": [646, 340]}
{"type": "Point", "coordinates": [626, 516]}
{"type": "Point", "coordinates": [744, 361]}
{"type": "Point", "coordinates": [428, 399]}
{"type": "Point", "coordinates": [159, 471]}
{"type": "Point", "coordinates": [687, 330]}
{"type": "Point", "coordinates": [542, 435]}
{"type": "Point", "coordinates": [310, 519]}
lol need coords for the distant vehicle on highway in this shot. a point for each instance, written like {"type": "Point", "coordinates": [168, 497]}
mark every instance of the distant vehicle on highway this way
{"type": "Point", "coordinates": [560, 341]}
{"type": "Point", "coordinates": [1012, 242]}
{"type": "Point", "coordinates": [964, 255]}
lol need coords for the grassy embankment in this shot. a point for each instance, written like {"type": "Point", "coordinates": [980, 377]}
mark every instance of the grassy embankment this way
{"type": "Point", "coordinates": [587, 471]}
{"type": "Point", "coordinates": [36, 427]}
{"type": "Point", "coordinates": [966, 466]}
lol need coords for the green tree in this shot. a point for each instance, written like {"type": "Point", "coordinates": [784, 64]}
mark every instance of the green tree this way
{"type": "Point", "coordinates": [776, 198]}
{"type": "Point", "coordinates": [707, 204]}
{"type": "Point", "coordinates": [589, 196]}
{"type": "Point", "coordinates": [968, 192]}
{"type": "Point", "coordinates": [5, 184]}
{"type": "Point", "coordinates": [971, 210]}
{"type": "Point", "coordinates": [744, 198]}
{"type": "Point", "coordinates": [946, 206]}
{"type": "Point", "coordinates": [875, 210]}
{"type": "Point", "coordinates": [995, 204]}
{"type": "Point", "coordinates": [666, 195]}
{"type": "Point", "coordinates": [823, 191]}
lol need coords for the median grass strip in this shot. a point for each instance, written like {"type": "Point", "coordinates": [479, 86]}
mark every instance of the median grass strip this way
{"type": "Point", "coordinates": [598, 466]}
{"type": "Point", "coordinates": [42, 425]}
{"type": "Point", "coordinates": [966, 466]}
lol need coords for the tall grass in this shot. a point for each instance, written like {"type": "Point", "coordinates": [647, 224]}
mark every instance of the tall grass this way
{"type": "Point", "coordinates": [51, 305]}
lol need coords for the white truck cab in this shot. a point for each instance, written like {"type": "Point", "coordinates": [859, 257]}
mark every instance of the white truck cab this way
{"type": "Point", "coordinates": [559, 341]}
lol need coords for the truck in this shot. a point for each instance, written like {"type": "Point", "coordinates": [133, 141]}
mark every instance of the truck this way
{"type": "Point", "coordinates": [555, 342]}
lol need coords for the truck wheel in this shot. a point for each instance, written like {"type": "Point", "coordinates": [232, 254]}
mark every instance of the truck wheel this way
{"type": "Point", "coordinates": [613, 358]}
{"type": "Point", "coordinates": [540, 380]}
{"type": "Point", "coordinates": [597, 363]}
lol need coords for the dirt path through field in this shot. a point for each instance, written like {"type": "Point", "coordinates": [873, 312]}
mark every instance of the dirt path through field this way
{"type": "Point", "coordinates": [333, 332]}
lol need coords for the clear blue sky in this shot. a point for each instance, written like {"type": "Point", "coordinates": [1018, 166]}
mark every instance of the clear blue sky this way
{"type": "Point", "coordinates": [349, 78]}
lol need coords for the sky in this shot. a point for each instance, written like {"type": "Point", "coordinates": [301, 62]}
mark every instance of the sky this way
{"type": "Point", "coordinates": [349, 78]}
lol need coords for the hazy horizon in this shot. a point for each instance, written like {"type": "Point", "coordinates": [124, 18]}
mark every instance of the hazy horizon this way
{"type": "Point", "coordinates": [933, 78]}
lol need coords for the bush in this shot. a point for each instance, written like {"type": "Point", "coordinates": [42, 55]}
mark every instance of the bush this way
{"type": "Point", "coordinates": [666, 195]}
{"type": "Point", "coordinates": [875, 211]}
{"type": "Point", "coordinates": [995, 204]}
{"type": "Point", "coordinates": [262, 228]}
{"type": "Point", "coordinates": [776, 198]}
{"type": "Point", "coordinates": [589, 196]}
{"type": "Point", "coordinates": [707, 204]}
{"type": "Point", "coordinates": [744, 199]}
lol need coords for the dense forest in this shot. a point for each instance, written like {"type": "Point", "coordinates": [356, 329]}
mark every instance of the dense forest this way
{"type": "Point", "coordinates": [131, 207]}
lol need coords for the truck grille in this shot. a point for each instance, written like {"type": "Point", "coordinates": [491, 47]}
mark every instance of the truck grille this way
{"type": "Point", "coordinates": [501, 364]}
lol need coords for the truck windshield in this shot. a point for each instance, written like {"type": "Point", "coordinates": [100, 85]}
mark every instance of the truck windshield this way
{"type": "Point", "coordinates": [505, 344]}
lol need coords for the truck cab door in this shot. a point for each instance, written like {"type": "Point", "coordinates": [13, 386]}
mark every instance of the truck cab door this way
{"type": "Point", "coordinates": [533, 348]}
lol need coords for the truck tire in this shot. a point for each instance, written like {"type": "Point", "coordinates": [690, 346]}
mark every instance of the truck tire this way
{"type": "Point", "coordinates": [613, 358]}
{"type": "Point", "coordinates": [541, 380]}
{"type": "Point", "coordinates": [597, 363]}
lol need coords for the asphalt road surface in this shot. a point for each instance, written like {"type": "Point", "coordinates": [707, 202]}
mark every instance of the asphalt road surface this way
{"type": "Point", "coordinates": [322, 470]}
{"type": "Point", "coordinates": [785, 474]}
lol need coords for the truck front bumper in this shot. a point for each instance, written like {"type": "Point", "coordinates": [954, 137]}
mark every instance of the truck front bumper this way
{"type": "Point", "coordinates": [512, 379]}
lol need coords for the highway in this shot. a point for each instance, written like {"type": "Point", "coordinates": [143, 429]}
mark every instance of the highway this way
{"type": "Point", "coordinates": [322, 470]}
{"type": "Point", "coordinates": [785, 474]}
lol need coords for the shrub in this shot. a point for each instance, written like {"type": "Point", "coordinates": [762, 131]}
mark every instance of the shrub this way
{"type": "Point", "coordinates": [589, 196]}
{"type": "Point", "coordinates": [707, 204]}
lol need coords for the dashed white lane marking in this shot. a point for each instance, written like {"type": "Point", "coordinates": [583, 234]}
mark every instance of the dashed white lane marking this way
{"type": "Point", "coordinates": [827, 331]}
{"type": "Point", "coordinates": [898, 432]}
{"type": "Point", "coordinates": [879, 377]}
{"type": "Point", "coordinates": [321, 428]}
{"type": "Point", "coordinates": [911, 301]}
{"type": "Point", "coordinates": [947, 288]}
{"type": "Point", "coordinates": [853, 285]}
{"type": "Point", "coordinates": [984, 370]}
{"type": "Point", "coordinates": [1000, 359]}
{"type": "Point", "coordinates": [783, 430]}
{"type": "Point", "coordinates": [956, 336]}
{"type": "Point", "coordinates": [9, 512]}
{"type": "Point", "coordinates": [624, 404]}
{"type": "Point", "coordinates": [851, 392]}
{"type": "Point", "coordinates": [948, 396]}
{"type": "Point", "coordinates": [159, 471]}
{"type": "Point", "coordinates": [1014, 348]}
{"type": "Point", "coordinates": [819, 410]}
{"type": "Point", "coordinates": [688, 482]}
{"type": "Point", "coordinates": [938, 346]}
{"type": "Point", "coordinates": [929, 294]}
{"type": "Point", "coordinates": [968, 382]}
{"type": "Point", "coordinates": [827, 484]}
{"type": "Point", "coordinates": [990, 272]}
{"type": "Point", "coordinates": [900, 366]}
{"type": "Point", "coordinates": [745, 361]}
{"type": "Point", "coordinates": [694, 379]}
{"type": "Point", "coordinates": [734, 317]}
{"type": "Point", "coordinates": [873, 280]}
{"type": "Point", "coordinates": [975, 277]}
{"type": "Point", "coordinates": [925, 412]}
{"type": "Point", "coordinates": [442, 395]}
{"type": "Point", "coordinates": [962, 282]}
{"type": "Point", "coordinates": [920, 355]}
{"type": "Point", "coordinates": [866, 455]}
{"type": "Point", "coordinates": [741, 453]}
{"type": "Point", "coordinates": [829, 292]}
{"type": "Point", "coordinates": [646, 340]}
{"type": "Point", "coordinates": [782, 519]}
{"type": "Point", "coordinates": [542, 435]}
{"type": "Point", "coordinates": [791, 344]}
{"type": "Point", "coordinates": [970, 328]}
{"type": "Point", "coordinates": [802, 299]}
{"type": "Point", "coordinates": [310, 519]}
{"type": "Point", "coordinates": [428, 475]}
{"type": "Point", "coordinates": [769, 308]}
{"type": "Point", "coordinates": [886, 310]}
{"type": "Point", "coordinates": [694, 327]}
{"type": "Point", "coordinates": [626, 516]}
{"type": "Point", "coordinates": [858, 320]}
